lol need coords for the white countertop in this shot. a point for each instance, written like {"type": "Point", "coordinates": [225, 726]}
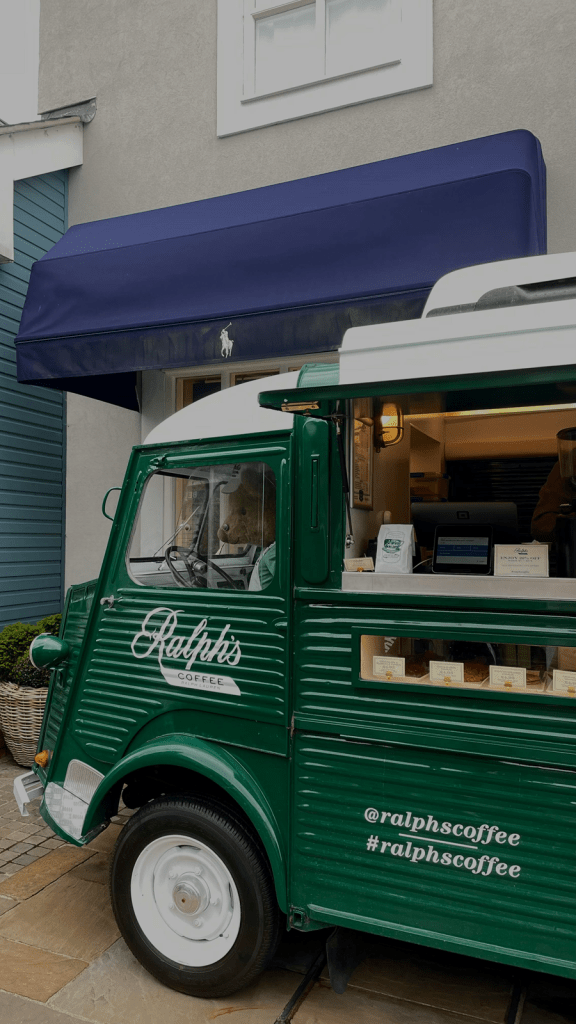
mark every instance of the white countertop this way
{"type": "Point", "coordinates": [528, 588]}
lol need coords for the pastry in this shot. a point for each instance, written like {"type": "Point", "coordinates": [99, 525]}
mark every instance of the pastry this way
{"type": "Point", "coordinates": [417, 665]}
{"type": "Point", "coordinates": [475, 671]}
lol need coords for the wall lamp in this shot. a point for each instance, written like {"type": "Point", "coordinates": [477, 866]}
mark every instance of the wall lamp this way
{"type": "Point", "coordinates": [388, 423]}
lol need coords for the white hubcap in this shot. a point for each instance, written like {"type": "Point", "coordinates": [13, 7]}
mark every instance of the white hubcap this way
{"type": "Point", "coordinates": [185, 901]}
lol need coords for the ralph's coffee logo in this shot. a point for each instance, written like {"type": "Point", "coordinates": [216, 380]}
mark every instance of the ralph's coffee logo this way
{"type": "Point", "coordinates": [178, 656]}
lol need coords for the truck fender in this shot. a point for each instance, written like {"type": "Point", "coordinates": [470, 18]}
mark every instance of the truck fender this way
{"type": "Point", "coordinates": [216, 764]}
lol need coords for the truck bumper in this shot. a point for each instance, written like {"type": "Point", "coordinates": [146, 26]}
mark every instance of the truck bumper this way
{"type": "Point", "coordinates": [27, 787]}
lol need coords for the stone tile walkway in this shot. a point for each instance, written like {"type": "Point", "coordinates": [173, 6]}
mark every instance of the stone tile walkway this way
{"type": "Point", "coordinates": [22, 840]}
{"type": "Point", "coordinates": [62, 959]}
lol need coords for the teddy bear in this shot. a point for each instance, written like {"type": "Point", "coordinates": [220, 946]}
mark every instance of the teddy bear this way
{"type": "Point", "coordinates": [249, 503]}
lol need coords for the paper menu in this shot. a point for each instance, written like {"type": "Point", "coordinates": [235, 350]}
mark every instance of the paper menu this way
{"type": "Point", "coordinates": [564, 682]}
{"type": "Point", "coordinates": [446, 671]}
{"type": "Point", "coordinates": [507, 678]}
{"type": "Point", "coordinates": [388, 668]}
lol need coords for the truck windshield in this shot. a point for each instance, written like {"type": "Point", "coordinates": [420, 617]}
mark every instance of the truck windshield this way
{"type": "Point", "coordinates": [209, 526]}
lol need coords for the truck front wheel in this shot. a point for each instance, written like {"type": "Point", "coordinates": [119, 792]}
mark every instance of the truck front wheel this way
{"type": "Point", "coordinates": [193, 897]}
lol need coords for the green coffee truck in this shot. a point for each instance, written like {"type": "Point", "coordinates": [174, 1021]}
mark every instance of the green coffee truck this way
{"type": "Point", "coordinates": [330, 659]}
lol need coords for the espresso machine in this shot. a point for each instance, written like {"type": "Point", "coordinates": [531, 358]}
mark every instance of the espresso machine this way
{"type": "Point", "coordinates": [565, 532]}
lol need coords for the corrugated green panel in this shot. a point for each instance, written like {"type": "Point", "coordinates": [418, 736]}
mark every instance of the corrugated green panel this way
{"type": "Point", "coordinates": [450, 851]}
{"type": "Point", "coordinates": [330, 696]}
{"type": "Point", "coordinates": [31, 425]}
{"type": "Point", "coordinates": [121, 693]}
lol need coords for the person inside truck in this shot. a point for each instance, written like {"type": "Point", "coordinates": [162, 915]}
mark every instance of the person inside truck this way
{"type": "Point", "coordinates": [554, 493]}
{"type": "Point", "coordinates": [559, 489]}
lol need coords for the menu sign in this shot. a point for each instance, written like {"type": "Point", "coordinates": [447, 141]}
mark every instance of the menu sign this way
{"type": "Point", "coordinates": [521, 560]}
{"type": "Point", "coordinates": [564, 682]}
{"type": "Point", "coordinates": [447, 672]}
{"type": "Point", "coordinates": [388, 668]}
{"type": "Point", "coordinates": [362, 454]}
{"type": "Point", "coordinates": [507, 678]}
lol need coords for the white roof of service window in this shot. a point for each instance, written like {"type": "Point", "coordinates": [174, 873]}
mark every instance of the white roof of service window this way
{"type": "Point", "coordinates": [510, 338]}
{"type": "Point", "coordinates": [470, 283]}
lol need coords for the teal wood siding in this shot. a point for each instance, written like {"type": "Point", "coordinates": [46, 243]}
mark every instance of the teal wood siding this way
{"type": "Point", "coordinates": [32, 425]}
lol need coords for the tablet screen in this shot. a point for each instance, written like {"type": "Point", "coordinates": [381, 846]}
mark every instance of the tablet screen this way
{"type": "Point", "coordinates": [463, 549]}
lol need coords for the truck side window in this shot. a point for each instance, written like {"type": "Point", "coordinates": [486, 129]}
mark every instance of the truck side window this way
{"type": "Point", "coordinates": [475, 665]}
{"type": "Point", "coordinates": [206, 527]}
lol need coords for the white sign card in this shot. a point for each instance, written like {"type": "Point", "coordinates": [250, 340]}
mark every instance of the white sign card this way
{"type": "Point", "coordinates": [564, 682]}
{"type": "Point", "coordinates": [507, 678]}
{"type": "Point", "coordinates": [388, 668]}
{"type": "Point", "coordinates": [521, 560]}
{"type": "Point", "coordinates": [355, 564]}
{"type": "Point", "coordinates": [446, 671]}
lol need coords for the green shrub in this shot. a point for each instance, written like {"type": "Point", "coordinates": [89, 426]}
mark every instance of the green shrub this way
{"type": "Point", "coordinates": [24, 674]}
{"type": "Point", "coordinates": [15, 640]}
{"type": "Point", "coordinates": [49, 624]}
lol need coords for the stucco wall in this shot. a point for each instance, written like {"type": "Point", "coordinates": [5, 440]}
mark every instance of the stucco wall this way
{"type": "Point", "coordinates": [100, 438]}
{"type": "Point", "coordinates": [498, 65]}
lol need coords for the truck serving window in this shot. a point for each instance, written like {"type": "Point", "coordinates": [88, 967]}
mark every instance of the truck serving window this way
{"type": "Point", "coordinates": [208, 526]}
{"type": "Point", "coordinates": [458, 493]}
{"type": "Point", "coordinates": [520, 668]}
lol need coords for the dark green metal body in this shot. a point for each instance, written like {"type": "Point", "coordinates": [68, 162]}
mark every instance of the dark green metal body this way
{"type": "Point", "coordinates": [334, 771]}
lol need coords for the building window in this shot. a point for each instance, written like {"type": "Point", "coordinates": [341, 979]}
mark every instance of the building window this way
{"type": "Point", "coordinates": [284, 59]}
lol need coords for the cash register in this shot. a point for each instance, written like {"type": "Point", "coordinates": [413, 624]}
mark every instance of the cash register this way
{"type": "Point", "coordinates": [461, 535]}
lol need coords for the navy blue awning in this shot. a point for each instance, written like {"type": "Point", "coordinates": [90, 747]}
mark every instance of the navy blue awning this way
{"type": "Point", "coordinates": [285, 268]}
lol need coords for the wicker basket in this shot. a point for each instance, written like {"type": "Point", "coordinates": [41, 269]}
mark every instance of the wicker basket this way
{"type": "Point", "coordinates": [21, 713]}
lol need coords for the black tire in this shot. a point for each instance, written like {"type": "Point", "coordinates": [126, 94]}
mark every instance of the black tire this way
{"type": "Point", "coordinates": [231, 841]}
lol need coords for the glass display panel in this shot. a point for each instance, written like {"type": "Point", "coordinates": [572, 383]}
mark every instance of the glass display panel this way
{"type": "Point", "coordinates": [475, 665]}
{"type": "Point", "coordinates": [208, 527]}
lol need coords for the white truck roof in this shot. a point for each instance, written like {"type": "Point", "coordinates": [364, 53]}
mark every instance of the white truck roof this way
{"type": "Point", "coordinates": [228, 413]}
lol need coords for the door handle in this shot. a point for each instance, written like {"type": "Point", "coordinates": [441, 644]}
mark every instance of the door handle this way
{"type": "Point", "coordinates": [281, 624]}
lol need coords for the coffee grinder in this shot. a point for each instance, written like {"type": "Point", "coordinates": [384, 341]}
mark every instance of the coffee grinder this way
{"type": "Point", "coordinates": [566, 521]}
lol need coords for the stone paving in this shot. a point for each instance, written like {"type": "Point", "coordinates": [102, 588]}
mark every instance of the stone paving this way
{"type": "Point", "coordinates": [62, 959]}
{"type": "Point", "coordinates": [22, 840]}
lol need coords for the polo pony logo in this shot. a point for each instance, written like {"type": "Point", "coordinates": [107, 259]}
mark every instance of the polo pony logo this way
{"type": "Point", "coordinates": [226, 342]}
{"type": "Point", "coordinates": [178, 655]}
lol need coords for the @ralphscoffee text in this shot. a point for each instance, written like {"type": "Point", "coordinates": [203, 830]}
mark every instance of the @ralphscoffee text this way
{"type": "Point", "coordinates": [438, 836]}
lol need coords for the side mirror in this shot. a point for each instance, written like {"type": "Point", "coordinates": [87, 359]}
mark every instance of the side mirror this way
{"type": "Point", "coordinates": [106, 496]}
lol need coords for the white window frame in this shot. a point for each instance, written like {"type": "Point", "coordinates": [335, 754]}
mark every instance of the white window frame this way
{"type": "Point", "coordinates": [408, 67]}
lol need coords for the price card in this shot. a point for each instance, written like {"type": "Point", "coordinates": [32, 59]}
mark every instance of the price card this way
{"type": "Point", "coordinates": [388, 668]}
{"type": "Point", "coordinates": [521, 560]}
{"type": "Point", "coordinates": [507, 678]}
{"type": "Point", "coordinates": [564, 682]}
{"type": "Point", "coordinates": [356, 564]}
{"type": "Point", "coordinates": [447, 672]}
